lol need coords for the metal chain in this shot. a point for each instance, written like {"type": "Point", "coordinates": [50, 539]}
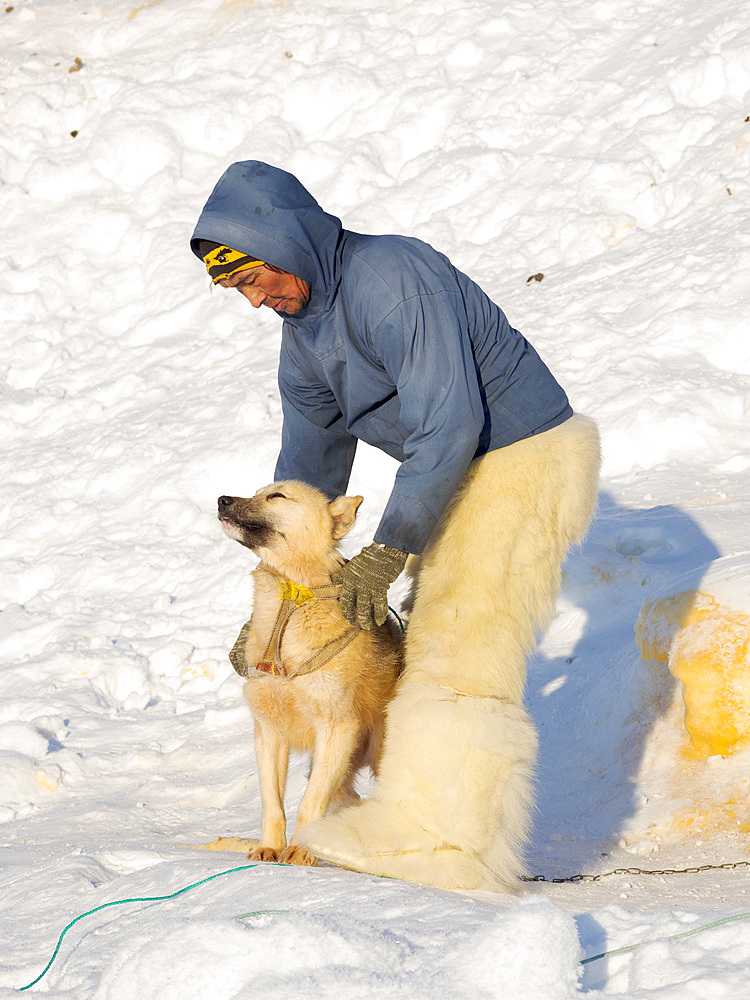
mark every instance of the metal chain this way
{"type": "Point", "coordinates": [728, 866]}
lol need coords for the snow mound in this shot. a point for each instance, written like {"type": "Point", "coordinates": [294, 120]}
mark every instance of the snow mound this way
{"type": "Point", "coordinates": [705, 642]}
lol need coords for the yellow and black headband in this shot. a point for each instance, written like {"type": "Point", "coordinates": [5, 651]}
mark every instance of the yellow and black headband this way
{"type": "Point", "coordinates": [223, 262]}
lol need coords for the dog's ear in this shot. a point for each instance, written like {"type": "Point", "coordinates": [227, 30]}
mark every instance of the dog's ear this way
{"type": "Point", "coordinates": [343, 511]}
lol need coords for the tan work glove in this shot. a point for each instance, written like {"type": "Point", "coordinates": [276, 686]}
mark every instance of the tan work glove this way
{"type": "Point", "coordinates": [365, 580]}
{"type": "Point", "coordinates": [237, 652]}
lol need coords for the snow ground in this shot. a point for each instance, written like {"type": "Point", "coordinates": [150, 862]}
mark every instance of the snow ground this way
{"type": "Point", "coordinates": [602, 144]}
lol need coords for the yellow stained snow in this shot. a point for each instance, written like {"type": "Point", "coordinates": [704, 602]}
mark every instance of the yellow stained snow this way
{"type": "Point", "coordinates": [705, 821]}
{"type": "Point", "coordinates": [136, 10]}
{"type": "Point", "coordinates": [705, 645]}
{"type": "Point", "coordinates": [192, 670]}
{"type": "Point", "coordinates": [47, 780]}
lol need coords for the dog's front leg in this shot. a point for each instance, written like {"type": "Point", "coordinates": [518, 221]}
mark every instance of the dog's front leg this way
{"type": "Point", "coordinates": [272, 754]}
{"type": "Point", "coordinates": [331, 760]}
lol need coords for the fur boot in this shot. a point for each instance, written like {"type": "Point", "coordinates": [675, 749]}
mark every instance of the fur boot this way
{"type": "Point", "coordinates": [454, 796]}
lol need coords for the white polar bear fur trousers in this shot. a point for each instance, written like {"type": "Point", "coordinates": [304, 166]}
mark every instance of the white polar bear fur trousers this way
{"type": "Point", "coordinates": [453, 801]}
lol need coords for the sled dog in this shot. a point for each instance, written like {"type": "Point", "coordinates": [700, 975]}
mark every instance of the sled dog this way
{"type": "Point", "coordinates": [314, 682]}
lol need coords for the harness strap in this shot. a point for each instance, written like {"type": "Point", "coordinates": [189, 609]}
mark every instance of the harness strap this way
{"type": "Point", "coordinates": [300, 595]}
{"type": "Point", "coordinates": [293, 596]}
{"type": "Point", "coordinates": [331, 649]}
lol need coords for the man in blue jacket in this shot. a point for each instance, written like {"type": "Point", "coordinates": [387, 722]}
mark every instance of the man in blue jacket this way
{"type": "Point", "coordinates": [384, 340]}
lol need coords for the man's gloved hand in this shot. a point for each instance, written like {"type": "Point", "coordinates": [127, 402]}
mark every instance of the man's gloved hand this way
{"type": "Point", "coordinates": [237, 652]}
{"type": "Point", "coordinates": [364, 584]}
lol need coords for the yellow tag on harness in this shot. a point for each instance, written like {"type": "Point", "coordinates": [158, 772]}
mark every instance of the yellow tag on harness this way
{"type": "Point", "coordinates": [295, 593]}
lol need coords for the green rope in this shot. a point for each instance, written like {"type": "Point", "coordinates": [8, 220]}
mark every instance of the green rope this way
{"type": "Point", "coordinates": [395, 613]}
{"type": "Point", "coordinates": [242, 868]}
{"type": "Point", "coordinates": [136, 899]}
{"type": "Point", "coordinates": [673, 937]}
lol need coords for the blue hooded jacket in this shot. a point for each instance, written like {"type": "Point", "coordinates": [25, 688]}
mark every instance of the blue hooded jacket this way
{"type": "Point", "coordinates": [395, 346]}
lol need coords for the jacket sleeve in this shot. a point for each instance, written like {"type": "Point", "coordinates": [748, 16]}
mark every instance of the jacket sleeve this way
{"type": "Point", "coordinates": [315, 444]}
{"type": "Point", "coordinates": [424, 346]}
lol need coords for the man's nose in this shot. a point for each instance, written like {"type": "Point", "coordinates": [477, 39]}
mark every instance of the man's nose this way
{"type": "Point", "coordinates": [254, 296]}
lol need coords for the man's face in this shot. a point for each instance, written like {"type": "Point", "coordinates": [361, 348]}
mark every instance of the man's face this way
{"type": "Point", "coordinates": [279, 290]}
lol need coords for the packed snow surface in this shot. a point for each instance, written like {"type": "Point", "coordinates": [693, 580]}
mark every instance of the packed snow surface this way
{"type": "Point", "coordinates": [588, 162]}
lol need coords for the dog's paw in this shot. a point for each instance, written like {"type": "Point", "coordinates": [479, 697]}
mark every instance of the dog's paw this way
{"type": "Point", "coordinates": [261, 853]}
{"type": "Point", "coordinates": [297, 855]}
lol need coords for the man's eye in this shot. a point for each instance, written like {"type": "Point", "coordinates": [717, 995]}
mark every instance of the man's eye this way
{"type": "Point", "coordinates": [273, 496]}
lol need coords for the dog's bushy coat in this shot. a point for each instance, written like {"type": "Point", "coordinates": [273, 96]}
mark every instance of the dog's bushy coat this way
{"type": "Point", "coordinates": [335, 713]}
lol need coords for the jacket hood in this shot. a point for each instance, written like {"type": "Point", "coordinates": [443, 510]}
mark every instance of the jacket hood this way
{"type": "Point", "coordinates": [266, 213]}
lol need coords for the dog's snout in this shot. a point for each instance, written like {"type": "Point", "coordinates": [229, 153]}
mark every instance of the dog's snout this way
{"type": "Point", "coordinates": [225, 503]}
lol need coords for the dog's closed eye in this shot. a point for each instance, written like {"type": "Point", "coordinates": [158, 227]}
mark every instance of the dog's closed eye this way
{"type": "Point", "coordinates": [273, 496]}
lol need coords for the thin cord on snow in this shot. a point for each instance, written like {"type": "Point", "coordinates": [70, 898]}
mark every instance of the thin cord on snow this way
{"type": "Point", "coordinates": [136, 899]}
{"type": "Point", "coordinates": [536, 878]}
{"type": "Point", "coordinates": [672, 937]}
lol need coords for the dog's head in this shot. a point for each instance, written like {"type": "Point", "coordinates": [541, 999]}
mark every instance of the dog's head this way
{"type": "Point", "coordinates": [290, 525]}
